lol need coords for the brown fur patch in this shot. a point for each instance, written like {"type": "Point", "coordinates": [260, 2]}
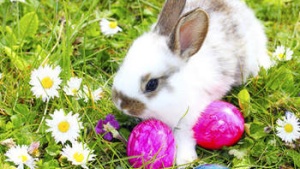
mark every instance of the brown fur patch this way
{"type": "Point", "coordinates": [133, 106]}
{"type": "Point", "coordinates": [169, 16]}
{"type": "Point", "coordinates": [218, 6]}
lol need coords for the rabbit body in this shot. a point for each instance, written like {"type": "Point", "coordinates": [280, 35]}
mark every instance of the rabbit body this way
{"type": "Point", "coordinates": [192, 56]}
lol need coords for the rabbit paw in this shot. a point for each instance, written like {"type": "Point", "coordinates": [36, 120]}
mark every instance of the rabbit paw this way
{"type": "Point", "coordinates": [185, 155]}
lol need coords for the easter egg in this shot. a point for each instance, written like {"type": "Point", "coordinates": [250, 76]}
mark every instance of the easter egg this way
{"type": "Point", "coordinates": [210, 166]}
{"type": "Point", "coordinates": [151, 145]}
{"type": "Point", "coordinates": [220, 124]}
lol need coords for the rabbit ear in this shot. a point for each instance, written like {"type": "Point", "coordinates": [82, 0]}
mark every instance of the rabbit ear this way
{"type": "Point", "coordinates": [189, 33]}
{"type": "Point", "coordinates": [169, 16]}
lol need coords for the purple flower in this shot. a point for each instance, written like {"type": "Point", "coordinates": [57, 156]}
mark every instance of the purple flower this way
{"type": "Point", "coordinates": [108, 127]}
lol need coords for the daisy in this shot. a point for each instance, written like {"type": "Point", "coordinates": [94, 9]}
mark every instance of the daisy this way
{"type": "Point", "coordinates": [93, 95]}
{"type": "Point", "coordinates": [78, 154]}
{"type": "Point", "coordinates": [97, 94]}
{"type": "Point", "coordinates": [73, 86]}
{"type": "Point", "coordinates": [109, 27]}
{"type": "Point", "coordinates": [282, 53]}
{"type": "Point", "coordinates": [64, 127]}
{"type": "Point", "coordinates": [45, 82]}
{"type": "Point", "coordinates": [20, 157]}
{"type": "Point", "coordinates": [288, 129]}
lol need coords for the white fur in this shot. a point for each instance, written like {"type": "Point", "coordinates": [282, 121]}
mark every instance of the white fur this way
{"type": "Point", "coordinates": [199, 81]}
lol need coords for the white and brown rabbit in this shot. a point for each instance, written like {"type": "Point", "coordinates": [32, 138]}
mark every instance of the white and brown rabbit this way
{"type": "Point", "coordinates": [193, 55]}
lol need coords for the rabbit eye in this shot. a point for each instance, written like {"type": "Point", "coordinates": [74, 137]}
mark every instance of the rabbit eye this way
{"type": "Point", "coordinates": [152, 85]}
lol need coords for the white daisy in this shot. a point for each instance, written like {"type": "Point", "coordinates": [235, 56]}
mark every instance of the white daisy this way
{"type": "Point", "coordinates": [109, 27]}
{"type": "Point", "coordinates": [97, 94]}
{"type": "Point", "coordinates": [279, 52]}
{"type": "Point", "coordinates": [45, 82]}
{"type": "Point", "coordinates": [64, 127]}
{"type": "Point", "coordinates": [73, 86]}
{"type": "Point", "coordinates": [282, 53]}
{"type": "Point", "coordinates": [20, 157]}
{"type": "Point", "coordinates": [93, 95]}
{"type": "Point", "coordinates": [78, 154]}
{"type": "Point", "coordinates": [288, 129]}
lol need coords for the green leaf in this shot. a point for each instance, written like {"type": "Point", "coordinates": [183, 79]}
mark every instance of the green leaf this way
{"type": "Point", "coordinates": [296, 100]}
{"type": "Point", "coordinates": [17, 121]}
{"type": "Point", "coordinates": [2, 122]}
{"type": "Point", "coordinates": [284, 79]}
{"type": "Point", "coordinates": [53, 149]}
{"type": "Point", "coordinates": [258, 149]}
{"type": "Point", "coordinates": [51, 164]}
{"type": "Point", "coordinates": [148, 12]}
{"type": "Point", "coordinates": [295, 156]}
{"type": "Point", "coordinates": [242, 163]}
{"type": "Point", "coordinates": [124, 133]}
{"type": "Point", "coordinates": [93, 30]}
{"type": "Point", "coordinates": [28, 25]}
{"type": "Point", "coordinates": [18, 62]}
{"type": "Point", "coordinates": [22, 109]}
{"type": "Point", "coordinates": [257, 130]}
{"type": "Point", "coordinates": [4, 165]}
{"type": "Point", "coordinates": [244, 96]}
{"type": "Point", "coordinates": [244, 101]}
{"type": "Point", "coordinates": [9, 126]}
{"type": "Point", "coordinates": [10, 37]}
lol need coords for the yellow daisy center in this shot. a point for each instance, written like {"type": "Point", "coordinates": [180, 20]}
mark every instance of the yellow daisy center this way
{"type": "Point", "coordinates": [113, 24]}
{"type": "Point", "coordinates": [63, 126]}
{"type": "Point", "coordinates": [281, 56]}
{"type": "Point", "coordinates": [78, 157]}
{"type": "Point", "coordinates": [74, 91]}
{"type": "Point", "coordinates": [288, 128]}
{"type": "Point", "coordinates": [24, 158]}
{"type": "Point", "coordinates": [47, 82]}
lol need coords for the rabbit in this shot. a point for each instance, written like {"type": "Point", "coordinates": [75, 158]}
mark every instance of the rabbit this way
{"type": "Point", "coordinates": [193, 55]}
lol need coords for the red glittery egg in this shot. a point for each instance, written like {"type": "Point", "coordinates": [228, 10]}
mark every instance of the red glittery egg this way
{"type": "Point", "coordinates": [221, 124]}
{"type": "Point", "coordinates": [151, 145]}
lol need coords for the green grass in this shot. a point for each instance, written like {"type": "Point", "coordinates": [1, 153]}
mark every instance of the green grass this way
{"type": "Point", "coordinates": [67, 33]}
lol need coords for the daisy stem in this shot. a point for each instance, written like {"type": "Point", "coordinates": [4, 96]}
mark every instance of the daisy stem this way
{"type": "Point", "coordinates": [43, 118]}
{"type": "Point", "coordinates": [122, 139]}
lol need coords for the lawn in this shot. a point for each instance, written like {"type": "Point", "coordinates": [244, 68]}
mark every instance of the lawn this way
{"type": "Point", "coordinates": [63, 41]}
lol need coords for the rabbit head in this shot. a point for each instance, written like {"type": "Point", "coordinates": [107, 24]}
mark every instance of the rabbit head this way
{"type": "Point", "coordinates": [148, 83]}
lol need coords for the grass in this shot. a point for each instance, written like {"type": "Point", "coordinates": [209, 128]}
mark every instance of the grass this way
{"type": "Point", "coordinates": [67, 33]}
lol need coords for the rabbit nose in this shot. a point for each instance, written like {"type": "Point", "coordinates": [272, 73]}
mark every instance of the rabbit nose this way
{"type": "Point", "coordinates": [127, 104]}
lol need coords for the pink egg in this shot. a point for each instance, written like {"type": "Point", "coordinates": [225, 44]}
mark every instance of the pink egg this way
{"type": "Point", "coordinates": [221, 124]}
{"type": "Point", "coordinates": [151, 145]}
